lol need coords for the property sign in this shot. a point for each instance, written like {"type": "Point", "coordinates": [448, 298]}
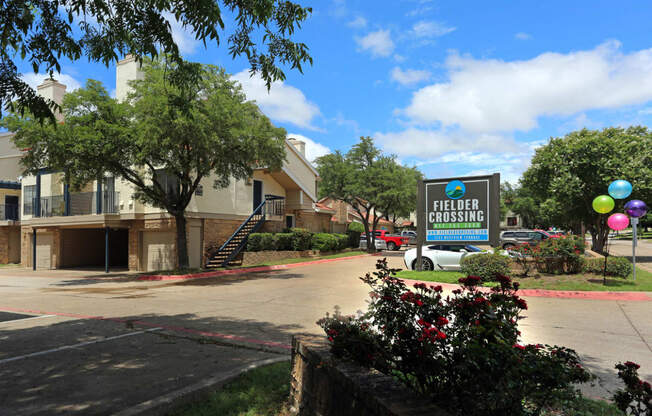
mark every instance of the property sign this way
{"type": "Point", "coordinates": [460, 210]}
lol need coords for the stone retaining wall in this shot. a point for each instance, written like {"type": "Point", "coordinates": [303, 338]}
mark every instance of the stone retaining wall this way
{"type": "Point", "coordinates": [250, 258]}
{"type": "Point", "coordinates": [324, 386]}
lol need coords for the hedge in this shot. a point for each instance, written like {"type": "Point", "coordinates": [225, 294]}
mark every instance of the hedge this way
{"type": "Point", "coordinates": [324, 242]}
{"type": "Point", "coordinates": [298, 239]}
{"type": "Point", "coordinates": [616, 266]}
{"type": "Point", "coordinates": [301, 239]}
{"type": "Point", "coordinates": [487, 266]}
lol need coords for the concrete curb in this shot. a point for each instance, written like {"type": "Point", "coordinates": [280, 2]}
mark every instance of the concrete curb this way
{"type": "Point", "coordinates": [559, 294]}
{"type": "Point", "coordinates": [164, 404]}
{"type": "Point", "coordinates": [155, 277]}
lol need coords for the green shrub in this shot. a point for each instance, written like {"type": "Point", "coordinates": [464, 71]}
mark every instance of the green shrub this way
{"type": "Point", "coordinates": [353, 231]}
{"type": "Point", "coordinates": [301, 239]}
{"type": "Point", "coordinates": [284, 241]}
{"type": "Point", "coordinates": [342, 241]}
{"type": "Point", "coordinates": [559, 255]}
{"type": "Point", "coordinates": [486, 266]}
{"type": "Point", "coordinates": [267, 241]}
{"type": "Point", "coordinates": [356, 226]}
{"type": "Point", "coordinates": [253, 242]}
{"type": "Point", "coordinates": [616, 266]}
{"type": "Point", "coordinates": [324, 242]}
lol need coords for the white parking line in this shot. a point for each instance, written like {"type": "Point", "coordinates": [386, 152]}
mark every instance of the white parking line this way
{"type": "Point", "coordinates": [26, 319]}
{"type": "Point", "coordinates": [81, 344]}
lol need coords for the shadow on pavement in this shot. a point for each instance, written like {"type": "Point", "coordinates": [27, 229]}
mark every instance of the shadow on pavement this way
{"type": "Point", "coordinates": [132, 362]}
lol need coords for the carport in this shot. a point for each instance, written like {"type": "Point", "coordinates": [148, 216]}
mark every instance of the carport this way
{"type": "Point", "coordinates": [82, 247]}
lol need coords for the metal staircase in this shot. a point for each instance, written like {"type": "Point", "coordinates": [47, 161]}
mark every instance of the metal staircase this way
{"type": "Point", "coordinates": [224, 255]}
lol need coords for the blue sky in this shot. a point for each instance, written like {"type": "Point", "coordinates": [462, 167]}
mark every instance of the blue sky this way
{"type": "Point", "coordinates": [456, 88]}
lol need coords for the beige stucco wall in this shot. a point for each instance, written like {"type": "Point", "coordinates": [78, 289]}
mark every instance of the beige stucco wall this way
{"type": "Point", "coordinates": [298, 169]}
{"type": "Point", "coordinates": [126, 70]}
{"type": "Point", "coordinates": [10, 168]}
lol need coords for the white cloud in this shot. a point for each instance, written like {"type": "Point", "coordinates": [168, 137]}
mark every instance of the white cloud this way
{"type": "Point", "coordinates": [430, 29]}
{"type": "Point", "coordinates": [460, 153]}
{"type": "Point", "coordinates": [409, 76]}
{"type": "Point", "coordinates": [494, 95]}
{"type": "Point", "coordinates": [183, 37]}
{"type": "Point", "coordinates": [283, 103]}
{"type": "Point", "coordinates": [313, 149]}
{"type": "Point", "coordinates": [358, 22]}
{"type": "Point", "coordinates": [427, 144]}
{"type": "Point", "coordinates": [379, 43]}
{"type": "Point", "coordinates": [523, 36]}
{"type": "Point", "coordinates": [34, 80]}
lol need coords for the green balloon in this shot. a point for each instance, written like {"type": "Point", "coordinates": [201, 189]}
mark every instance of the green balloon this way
{"type": "Point", "coordinates": [603, 204]}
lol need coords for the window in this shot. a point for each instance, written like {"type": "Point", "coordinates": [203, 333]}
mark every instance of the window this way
{"type": "Point", "coordinates": [512, 221]}
{"type": "Point", "coordinates": [28, 199]}
{"type": "Point", "coordinates": [535, 236]}
{"type": "Point", "coordinates": [168, 182]}
{"type": "Point", "coordinates": [522, 235]}
{"type": "Point", "coordinates": [508, 235]}
{"type": "Point", "coordinates": [200, 190]}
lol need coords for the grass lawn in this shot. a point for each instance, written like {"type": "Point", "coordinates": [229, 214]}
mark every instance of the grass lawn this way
{"type": "Point", "coordinates": [265, 390]}
{"type": "Point", "coordinates": [580, 282]}
{"type": "Point", "coordinates": [259, 392]}
{"type": "Point", "coordinates": [628, 235]}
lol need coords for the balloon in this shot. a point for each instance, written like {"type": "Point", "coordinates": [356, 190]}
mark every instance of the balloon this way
{"type": "Point", "coordinates": [635, 208]}
{"type": "Point", "coordinates": [620, 189]}
{"type": "Point", "coordinates": [603, 204]}
{"type": "Point", "coordinates": [618, 221]}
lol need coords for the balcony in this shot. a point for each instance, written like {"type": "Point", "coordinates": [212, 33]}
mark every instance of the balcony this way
{"type": "Point", "coordinates": [78, 203]}
{"type": "Point", "coordinates": [9, 212]}
{"type": "Point", "coordinates": [274, 206]}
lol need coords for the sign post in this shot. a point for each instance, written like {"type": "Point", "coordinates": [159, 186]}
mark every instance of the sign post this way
{"type": "Point", "coordinates": [462, 210]}
{"type": "Point", "coordinates": [634, 221]}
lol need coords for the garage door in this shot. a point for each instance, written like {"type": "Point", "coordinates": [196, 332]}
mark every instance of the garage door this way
{"type": "Point", "coordinates": [158, 248]}
{"type": "Point", "coordinates": [43, 251]}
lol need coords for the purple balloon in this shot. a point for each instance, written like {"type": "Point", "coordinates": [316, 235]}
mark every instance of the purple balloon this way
{"type": "Point", "coordinates": [635, 208]}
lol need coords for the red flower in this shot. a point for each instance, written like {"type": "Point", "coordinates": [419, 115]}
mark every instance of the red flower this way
{"type": "Point", "coordinates": [441, 321]}
{"type": "Point", "coordinates": [420, 286]}
{"type": "Point", "coordinates": [437, 288]}
{"type": "Point", "coordinates": [330, 339]}
{"type": "Point", "coordinates": [633, 365]}
{"type": "Point", "coordinates": [520, 347]}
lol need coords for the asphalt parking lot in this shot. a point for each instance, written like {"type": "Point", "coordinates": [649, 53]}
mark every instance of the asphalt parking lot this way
{"type": "Point", "coordinates": [87, 343]}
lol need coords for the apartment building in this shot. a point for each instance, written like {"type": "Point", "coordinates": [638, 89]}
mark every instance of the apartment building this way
{"type": "Point", "coordinates": [103, 225]}
{"type": "Point", "coordinates": [9, 200]}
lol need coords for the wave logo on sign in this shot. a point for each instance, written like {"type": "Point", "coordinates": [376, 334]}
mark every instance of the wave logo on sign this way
{"type": "Point", "coordinates": [455, 189]}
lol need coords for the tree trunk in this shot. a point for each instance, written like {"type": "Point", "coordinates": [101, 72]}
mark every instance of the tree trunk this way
{"type": "Point", "coordinates": [371, 248]}
{"type": "Point", "coordinates": [600, 235]}
{"type": "Point", "coordinates": [182, 241]}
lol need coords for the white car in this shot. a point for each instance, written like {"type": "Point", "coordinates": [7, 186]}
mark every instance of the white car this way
{"type": "Point", "coordinates": [440, 256]}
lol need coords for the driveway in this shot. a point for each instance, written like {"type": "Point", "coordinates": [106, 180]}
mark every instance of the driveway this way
{"type": "Point", "coordinates": [95, 344]}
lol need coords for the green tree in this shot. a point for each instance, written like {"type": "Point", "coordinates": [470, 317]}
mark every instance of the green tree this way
{"type": "Point", "coordinates": [372, 183]}
{"type": "Point", "coordinates": [44, 32]}
{"type": "Point", "coordinates": [569, 172]}
{"type": "Point", "coordinates": [201, 125]}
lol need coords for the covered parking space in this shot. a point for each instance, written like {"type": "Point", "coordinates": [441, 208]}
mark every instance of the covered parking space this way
{"type": "Point", "coordinates": [84, 244]}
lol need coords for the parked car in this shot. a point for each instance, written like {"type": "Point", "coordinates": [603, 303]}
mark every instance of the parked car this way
{"type": "Point", "coordinates": [411, 235]}
{"type": "Point", "coordinates": [379, 244]}
{"type": "Point", "coordinates": [440, 256]}
{"type": "Point", "coordinates": [394, 241]}
{"type": "Point", "coordinates": [513, 238]}
{"type": "Point", "coordinates": [550, 234]}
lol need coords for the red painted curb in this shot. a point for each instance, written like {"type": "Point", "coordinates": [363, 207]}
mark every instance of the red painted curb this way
{"type": "Point", "coordinates": [560, 294]}
{"type": "Point", "coordinates": [157, 277]}
{"type": "Point", "coordinates": [155, 325]}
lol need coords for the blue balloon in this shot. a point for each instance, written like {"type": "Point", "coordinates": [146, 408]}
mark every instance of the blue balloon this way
{"type": "Point", "coordinates": [620, 189]}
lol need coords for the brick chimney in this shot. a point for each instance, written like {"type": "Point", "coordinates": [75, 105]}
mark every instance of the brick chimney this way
{"type": "Point", "coordinates": [299, 145]}
{"type": "Point", "coordinates": [52, 89]}
{"type": "Point", "coordinates": [126, 70]}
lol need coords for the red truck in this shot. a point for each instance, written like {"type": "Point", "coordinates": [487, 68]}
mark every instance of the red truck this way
{"type": "Point", "coordinates": [394, 241]}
